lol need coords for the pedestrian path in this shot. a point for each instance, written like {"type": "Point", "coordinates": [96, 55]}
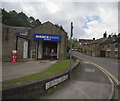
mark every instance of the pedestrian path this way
{"type": "Point", "coordinates": [21, 69]}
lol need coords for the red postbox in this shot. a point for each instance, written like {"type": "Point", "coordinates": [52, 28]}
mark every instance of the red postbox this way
{"type": "Point", "coordinates": [14, 56]}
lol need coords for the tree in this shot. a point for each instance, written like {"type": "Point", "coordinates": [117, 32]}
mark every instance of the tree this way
{"type": "Point", "coordinates": [75, 42]}
{"type": "Point", "coordinates": [119, 35]}
{"type": "Point", "coordinates": [60, 27]}
{"type": "Point", "coordinates": [13, 18]}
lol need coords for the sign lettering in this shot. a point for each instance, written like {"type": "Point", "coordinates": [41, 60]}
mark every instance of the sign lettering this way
{"type": "Point", "coordinates": [56, 81]}
{"type": "Point", "coordinates": [47, 37]}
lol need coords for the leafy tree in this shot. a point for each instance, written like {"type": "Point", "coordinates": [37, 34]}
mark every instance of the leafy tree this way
{"type": "Point", "coordinates": [119, 35]}
{"type": "Point", "coordinates": [13, 18]}
{"type": "Point", "coordinates": [75, 42]}
{"type": "Point", "coordinates": [60, 27]}
{"type": "Point", "coordinates": [85, 50]}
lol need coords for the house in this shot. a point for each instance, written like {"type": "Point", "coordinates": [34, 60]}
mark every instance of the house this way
{"type": "Point", "coordinates": [103, 47]}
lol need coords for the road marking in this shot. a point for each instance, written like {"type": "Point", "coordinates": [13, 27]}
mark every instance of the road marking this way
{"type": "Point", "coordinates": [113, 77]}
{"type": "Point", "coordinates": [89, 70]}
{"type": "Point", "coordinates": [115, 63]}
{"type": "Point", "coordinates": [112, 84]}
{"type": "Point", "coordinates": [28, 62]}
{"type": "Point", "coordinates": [101, 68]}
{"type": "Point", "coordinates": [86, 62]}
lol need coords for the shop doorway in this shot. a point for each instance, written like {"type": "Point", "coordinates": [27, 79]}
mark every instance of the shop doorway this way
{"type": "Point", "coordinates": [49, 50]}
{"type": "Point", "coordinates": [102, 53]}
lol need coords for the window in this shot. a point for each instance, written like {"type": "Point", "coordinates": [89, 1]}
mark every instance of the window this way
{"type": "Point", "coordinates": [116, 45]}
{"type": "Point", "coordinates": [108, 52]}
{"type": "Point", "coordinates": [103, 46]}
{"type": "Point", "coordinates": [116, 52]}
{"type": "Point", "coordinates": [108, 46]}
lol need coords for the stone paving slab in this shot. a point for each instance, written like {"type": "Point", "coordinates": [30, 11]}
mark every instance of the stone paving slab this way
{"type": "Point", "coordinates": [20, 69]}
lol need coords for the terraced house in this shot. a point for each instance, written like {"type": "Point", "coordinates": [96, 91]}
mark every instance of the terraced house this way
{"type": "Point", "coordinates": [109, 48]}
{"type": "Point", "coordinates": [103, 47]}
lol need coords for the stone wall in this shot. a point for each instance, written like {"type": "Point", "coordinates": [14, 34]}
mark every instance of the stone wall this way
{"type": "Point", "coordinates": [110, 51]}
{"type": "Point", "coordinates": [20, 48]}
{"type": "Point", "coordinates": [8, 43]}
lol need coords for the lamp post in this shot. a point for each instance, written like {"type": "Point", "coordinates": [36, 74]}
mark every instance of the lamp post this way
{"type": "Point", "coordinates": [71, 49]}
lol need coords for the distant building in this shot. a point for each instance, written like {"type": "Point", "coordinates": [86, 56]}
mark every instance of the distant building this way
{"type": "Point", "coordinates": [109, 48]}
{"type": "Point", "coordinates": [83, 44]}
{"type": "Point", "coordinates": [103, 47]}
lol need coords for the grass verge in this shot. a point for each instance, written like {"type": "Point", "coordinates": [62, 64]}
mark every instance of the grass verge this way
{"type": "Point", "coordinates": [60, 66]}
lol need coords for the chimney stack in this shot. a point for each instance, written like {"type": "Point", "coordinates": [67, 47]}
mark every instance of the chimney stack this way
{"type": "Point", "coordinates": [105, 35]}
{"type": "Point", "coordinates": [114, 37]}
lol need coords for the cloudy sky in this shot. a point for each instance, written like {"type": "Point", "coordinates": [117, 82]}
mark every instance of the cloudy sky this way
{"type": "Point", "coordinates": [90, 19]}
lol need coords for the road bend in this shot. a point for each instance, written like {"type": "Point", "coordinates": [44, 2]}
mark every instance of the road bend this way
{"type": "Point", "coordinates": [109, 65]}
{"type": "Point", "coordinates": [87, 81]}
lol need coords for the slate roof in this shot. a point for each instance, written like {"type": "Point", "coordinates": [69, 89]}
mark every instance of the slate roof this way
{"type": "Point", "coordinates": [23, 30]}
{"type": "Point", "coordinates": [96, 41]}
{"type": "Point", "coordinates": [85, 40]}
{"type": "Point", "coordinates": [110, 40]}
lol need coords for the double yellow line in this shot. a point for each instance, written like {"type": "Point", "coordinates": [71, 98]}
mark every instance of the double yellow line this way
{"type": "Point", "coordinates": [101, 68]}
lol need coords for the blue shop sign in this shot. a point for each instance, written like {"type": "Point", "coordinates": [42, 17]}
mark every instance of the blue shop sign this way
{"type": "Point", "coordinates": [47, 37]}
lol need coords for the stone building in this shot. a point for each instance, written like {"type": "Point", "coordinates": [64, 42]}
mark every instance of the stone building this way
{"type": "Point", "coordinates": [29, 43]}
{"type": "Point", "coordinates": [83, 44]}
{"type": "Point", "coordinates": [14, 38]}
{"type": "Point", "coordinates": [103, 47]}
{"type": "Point", "coordinates": [8, 42]}
{"type": "Point", "coordinates": [49, 42]}
{"type": "Point", "coordinates": [109, 48]}
{"type": "Point", "coordinates": [94, 46]}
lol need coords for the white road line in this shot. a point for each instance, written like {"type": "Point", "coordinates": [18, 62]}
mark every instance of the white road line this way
{"type": "Point", "coordinates": [115, 63]}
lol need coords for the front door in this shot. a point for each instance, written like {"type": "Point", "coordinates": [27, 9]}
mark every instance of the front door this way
{"type": "Point", "coordinates": [102, 54]}
{"type": "Point", "coordinates": [25, 50]}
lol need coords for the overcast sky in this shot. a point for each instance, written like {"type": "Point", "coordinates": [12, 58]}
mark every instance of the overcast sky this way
{"type": "Point", "coordinates": [90, 19]}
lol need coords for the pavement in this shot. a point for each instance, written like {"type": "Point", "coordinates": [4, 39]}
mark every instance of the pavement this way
{"type": "Point", "coordinates": [87, 82]}
{"type": "Point", "coordinates": [20, 69]}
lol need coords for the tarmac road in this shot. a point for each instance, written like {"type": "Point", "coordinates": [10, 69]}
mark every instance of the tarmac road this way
{"type": "Point", "coordinates": [109, 64]}
{"type": "Point", "coordinates": [87, 82]}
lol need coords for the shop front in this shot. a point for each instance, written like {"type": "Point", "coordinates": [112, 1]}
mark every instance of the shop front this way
{"type": "Point", "coordinates": [47, 46]}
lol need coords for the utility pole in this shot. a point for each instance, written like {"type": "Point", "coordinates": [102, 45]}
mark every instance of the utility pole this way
{"type": "Point", "coordinates": [71, 49]}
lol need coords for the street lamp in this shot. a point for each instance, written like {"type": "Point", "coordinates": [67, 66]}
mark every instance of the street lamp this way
{"type": "Point", "coordinates": [71, 49]}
